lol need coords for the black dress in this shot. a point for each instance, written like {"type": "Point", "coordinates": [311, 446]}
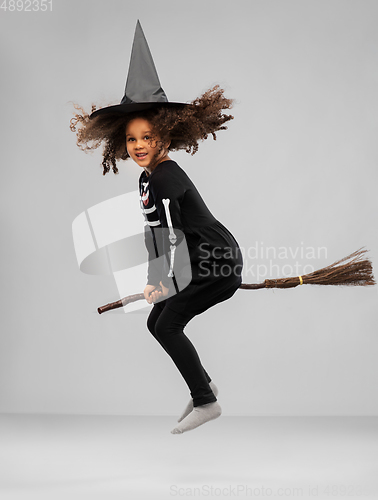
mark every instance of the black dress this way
{"type": "Point", "coordinates": [190, 251]}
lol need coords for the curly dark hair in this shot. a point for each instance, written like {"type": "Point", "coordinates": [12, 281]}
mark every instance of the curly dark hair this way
{"type": "Point", "coordinates": [182, 126]}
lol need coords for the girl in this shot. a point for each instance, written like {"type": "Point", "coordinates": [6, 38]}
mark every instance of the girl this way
{"type": "Point", "coordinates": [178, 224]}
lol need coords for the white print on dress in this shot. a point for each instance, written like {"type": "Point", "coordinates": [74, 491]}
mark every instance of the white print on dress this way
{"type": "Point", "coordinates": [172, 236]}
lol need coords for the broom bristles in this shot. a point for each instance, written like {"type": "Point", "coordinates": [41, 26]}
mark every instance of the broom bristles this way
{"type": "Point", "coordinates": [356, 272]}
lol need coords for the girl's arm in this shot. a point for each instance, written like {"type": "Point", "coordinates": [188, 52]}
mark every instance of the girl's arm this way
{"type": "Point", "coordinates": [168, 194]}
{"type": "Point", "coordinates": [154, 264]}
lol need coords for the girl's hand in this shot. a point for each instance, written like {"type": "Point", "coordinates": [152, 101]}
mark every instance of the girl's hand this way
{"type": "Point", "coordinates": [152, 295]}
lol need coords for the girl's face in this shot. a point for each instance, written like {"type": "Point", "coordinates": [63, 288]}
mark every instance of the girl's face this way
{"type": "Point", "coordinates": [142, 144]}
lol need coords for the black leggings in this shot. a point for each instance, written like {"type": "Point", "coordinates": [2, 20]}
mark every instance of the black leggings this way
{"type": "Point", "coordinates": [167, 326]}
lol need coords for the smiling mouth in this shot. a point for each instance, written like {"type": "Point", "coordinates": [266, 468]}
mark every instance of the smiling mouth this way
{"type": "Point", "coordinates": [141, 155]}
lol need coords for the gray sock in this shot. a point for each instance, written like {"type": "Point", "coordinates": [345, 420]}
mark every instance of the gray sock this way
{"type": "Point", "coordinates": [199, 415]}
{"type": "Point", "coordinates": [189, 406]}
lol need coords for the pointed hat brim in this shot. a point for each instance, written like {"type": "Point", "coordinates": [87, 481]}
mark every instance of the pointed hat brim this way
{"type": "Point", "coordinates": [121, 109]}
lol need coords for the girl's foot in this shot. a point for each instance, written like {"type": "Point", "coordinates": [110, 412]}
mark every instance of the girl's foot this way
{"type": "Point", "coordinates": [199, 416]}
{"type": "Point", "coordinates": [189, 407]}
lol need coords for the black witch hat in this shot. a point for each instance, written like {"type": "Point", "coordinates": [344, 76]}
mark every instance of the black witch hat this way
{"type": "Point", "coordinates": [143, 89]}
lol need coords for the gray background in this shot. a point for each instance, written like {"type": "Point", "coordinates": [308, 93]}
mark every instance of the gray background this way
{"type": "Point", "coordinates": [297, 168]}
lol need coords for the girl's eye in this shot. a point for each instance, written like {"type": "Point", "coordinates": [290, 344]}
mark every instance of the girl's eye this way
{"type": "Point", "coordinates": [146, 137]}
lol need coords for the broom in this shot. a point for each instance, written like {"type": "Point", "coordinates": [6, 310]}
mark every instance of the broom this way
{"type": "Point", "coordinates": [356, 272]}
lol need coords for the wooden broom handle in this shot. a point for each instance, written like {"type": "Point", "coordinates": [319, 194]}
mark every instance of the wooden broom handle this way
{"type": "Point", "coordinates": [124, 301]}
{"type": "Point", "coordinates": [140, 296]}
{"type": "Point", "coordinates": [355, 272]}
{"type": "Point", "coordinates": [252, 286]}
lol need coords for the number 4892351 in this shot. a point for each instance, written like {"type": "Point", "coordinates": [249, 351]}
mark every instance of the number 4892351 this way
{"type": "Point", "coordinates": [26, 5]}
